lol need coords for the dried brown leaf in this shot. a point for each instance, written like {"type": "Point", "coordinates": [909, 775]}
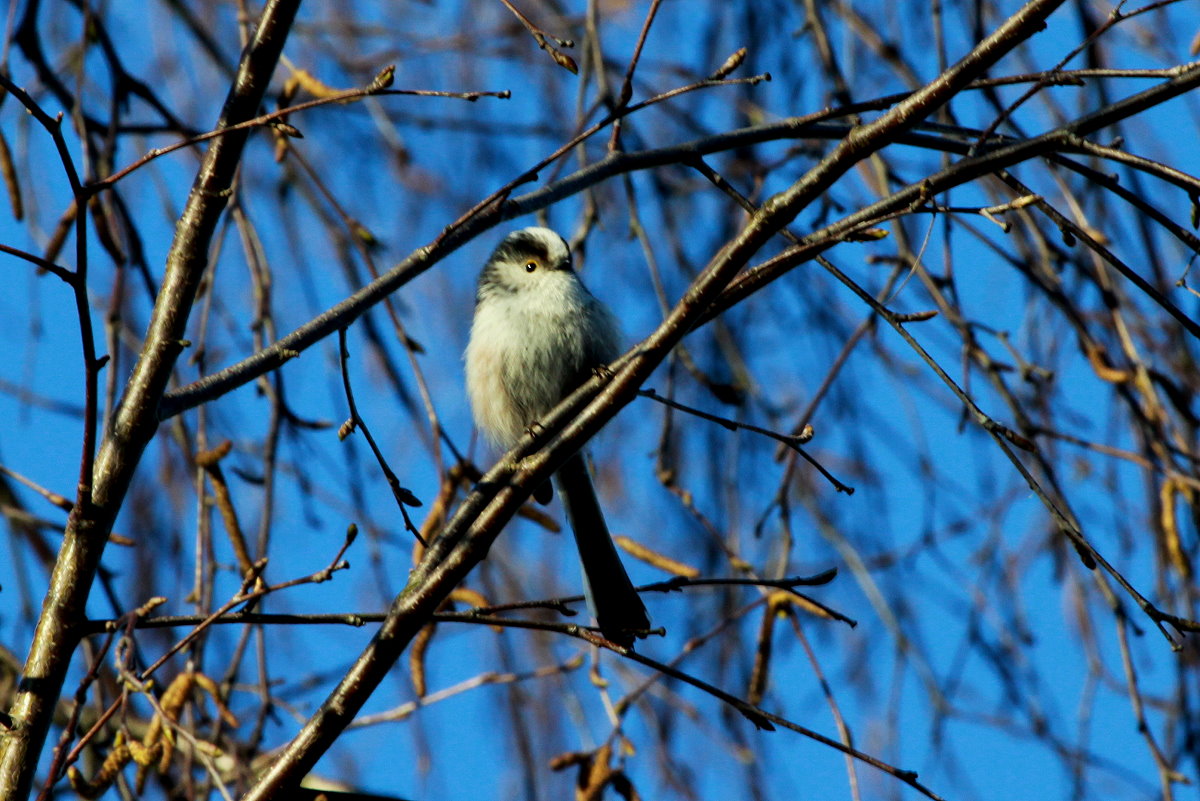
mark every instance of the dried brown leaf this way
{"type": "Point", "coordinates": [651, 557]}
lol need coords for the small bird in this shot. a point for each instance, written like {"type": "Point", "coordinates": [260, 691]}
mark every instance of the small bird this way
{"type": "Point", "coordinates": [537, 335]}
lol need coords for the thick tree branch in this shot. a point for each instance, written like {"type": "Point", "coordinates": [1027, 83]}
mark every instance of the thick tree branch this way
{"type": "Point", "coordinates": [469, 534]}
{"type": "Point", "coordinates": [136, 418]}
{"type": "Point", "coordinates": [1063, 139]}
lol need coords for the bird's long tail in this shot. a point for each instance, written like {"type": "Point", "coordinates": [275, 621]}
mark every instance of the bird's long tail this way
{"type": "Point", "coordinates": [618, 610]}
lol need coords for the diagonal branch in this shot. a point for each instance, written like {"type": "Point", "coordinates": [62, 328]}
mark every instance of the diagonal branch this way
{"type": "Point", "coordinates": [1065, 138]}
{"type": "Point", "coordinates": [136, 419]}
{"type": "Point", "coordinates": [466, 538]}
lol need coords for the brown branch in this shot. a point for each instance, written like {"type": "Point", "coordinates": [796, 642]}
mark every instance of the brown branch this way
{"type": "Point", "coordinates": [136, 419]}
{"type": "Point", "coordinates": [402, 495]}
{"type": "Point", "coordinates": [541, 37]}
{"type": "Point", "coordinates": [471, 531]}
{"type": "Point", "coordinates": [763, 719]}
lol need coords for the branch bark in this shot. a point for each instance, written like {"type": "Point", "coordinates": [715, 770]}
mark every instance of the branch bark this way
{"type": "Point", "coordinates": [136, 418]}
{"type": "Point", "coordinates": [470, 533]}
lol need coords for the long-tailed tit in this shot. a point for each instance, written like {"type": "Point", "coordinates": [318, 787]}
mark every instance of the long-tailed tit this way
{"type": "Point", "coordinates": [537, 335]}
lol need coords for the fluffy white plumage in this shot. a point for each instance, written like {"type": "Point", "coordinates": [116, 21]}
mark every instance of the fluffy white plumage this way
{"type": "Point", "coordinates": [537, 335]}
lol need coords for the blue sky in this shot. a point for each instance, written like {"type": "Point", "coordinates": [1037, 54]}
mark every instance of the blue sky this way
{"type": "Point", "coordinates": [964, 583]}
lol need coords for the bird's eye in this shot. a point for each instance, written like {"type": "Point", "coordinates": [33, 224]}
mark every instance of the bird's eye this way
{"type": "Point", "coordinates": [530, 266]}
